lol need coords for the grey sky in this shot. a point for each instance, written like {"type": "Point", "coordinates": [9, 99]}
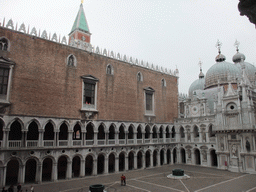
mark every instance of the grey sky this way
{"type": "Point", "coordinates": [167, 33]}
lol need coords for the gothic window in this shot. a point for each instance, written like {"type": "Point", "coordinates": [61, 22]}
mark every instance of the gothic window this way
{"type": "Point", "coordinates": [182, 108]}
{"type": "Point", "coordinates": [163, 83]}
{"type": "Point", "coordinates": [6, 67]}
{"type": "Point", "coordinates": [71, 61]}
{"type": "Point", "coordinates": [211, 133]}
{"type": "Point", "coordinates": [89, 92]}
{"type": "Point", "coordinates": [182, 134]}
{"type": "Point", "coordinates": [173, 132]}
{"type": "Point", "coordinates": [196, 131]}
{"type": "Point", "coordinates": [139, 77]}
{"type": "Point", "coordinates": [149, 101]}
{"type": "Point", "coordinates": [3, 44]}
{"type": "Point", "coordinates": [110, 70]}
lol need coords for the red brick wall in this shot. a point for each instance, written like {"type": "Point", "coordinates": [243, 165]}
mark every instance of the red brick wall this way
{"type": "Point", "coordinates": [43, 84]}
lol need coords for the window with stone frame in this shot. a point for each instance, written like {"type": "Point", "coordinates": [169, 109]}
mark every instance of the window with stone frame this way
{"type": "Point", "coordinates": [110, 70]}
{"type": "Point", "coordinates": [6, 67]}
{"type": "Point", "coordinates": [89, 92]}
{"type": "Point", "coordinates": [149, 101]}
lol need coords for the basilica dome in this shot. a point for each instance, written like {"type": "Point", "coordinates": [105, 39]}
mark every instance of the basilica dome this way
{"type": "Point", "coordinates": [250, 69]}
{"type": "Point", "coordinates": [221, 73]}
{"type": "Point", "coordinates": [197, 84]}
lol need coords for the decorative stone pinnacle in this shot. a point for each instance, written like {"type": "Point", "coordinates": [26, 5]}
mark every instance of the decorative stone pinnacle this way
{"type": "Point", "coordinates": [218, 45]}
{"type": "Point", "coordinates": [236, 44]}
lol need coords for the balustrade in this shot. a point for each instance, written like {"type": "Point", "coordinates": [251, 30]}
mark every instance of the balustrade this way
{"type": "Point", "coordinates": [101, 142]}
{"type": "Point", "coordinates": [161, 140]}
{"type": "Point", "coordinates": [89, 142]}
{"type": "Point", "coordinates": [121, 141]}
{"type": "Point", "coordinates": [130, 141]}
{"type": "Point", "coordinates": [155, 140]}
{"type": "Point", "coordinates": [48, 143]}
{"type": "Point", "coordinates": [77, 143]}
{"type": "Point", "coordinates": [196, 139]}
{"type": "Point", "coordinates": [63, 143]}
{"type": "Point", "coordinates": [182, 139]}
{"type": "Point", "coordinates": [212, 139]}
{"type": "Point", "coordinates": [139, 141]}
{"type": "Point", "coordinates": [147, 140]}
{"type": "Point", "coordinates": [14, 144]}
{"type": "Point", "coordinates": [31, 143]}
{"type": "Point", "coordinates": [111, 142]}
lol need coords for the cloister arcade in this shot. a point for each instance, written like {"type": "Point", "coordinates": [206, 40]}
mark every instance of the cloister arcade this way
{"type": "Point", "coordinates": [48, 151]}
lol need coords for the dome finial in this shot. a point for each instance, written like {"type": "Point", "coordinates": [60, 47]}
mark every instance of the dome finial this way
{"type": "Point", "coordinates": [218, 45]}
{"type": "Point", "coordinates": [82, 1]}
{"type": "Point", "coordinates": [236, 44]}
{"type": "Point", "coordinates": [201, 75]}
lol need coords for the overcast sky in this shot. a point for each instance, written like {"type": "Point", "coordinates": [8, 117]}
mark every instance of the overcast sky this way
{"type": "Point", "coordinates": [167, 33]}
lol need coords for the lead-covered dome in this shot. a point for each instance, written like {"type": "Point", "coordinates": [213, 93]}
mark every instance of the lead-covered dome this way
{"type": "Point", "coordinates": [221, 73]}
{"type": "Point", "coordinates": [197, 84]}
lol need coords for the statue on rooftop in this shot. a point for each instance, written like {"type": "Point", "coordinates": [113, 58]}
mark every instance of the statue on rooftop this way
{"type": "Point", "coordinates": [248, 8]}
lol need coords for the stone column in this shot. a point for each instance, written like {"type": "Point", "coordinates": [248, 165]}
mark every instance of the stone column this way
{"type": "Point", "coordinates": [208, 159]}
{"type": "Point", "coordinates": [54, 171]}
{"type": "Point", "coordinates": [95, 138]}
{"type": "Point", "coordinates": [253, 143]}
{"type": "Point", "coordinates": [105, 165]}
{"type": "Point", "coordinates": [164, 136]}
{"type": "Point", "coordinates": [126, 163]}
{"type": "Point", "coordinates": [192, 137]}
{"type": "Point", "coordinates": [126, 137]}
{"type": "Point", "coordinates": [116, 164]}
{"type": "Point", "coordinates": [151, 136]}
{"type": "Point", "coordinates": [135, 162]}
{"type": "Point", "coordinates": [83, 138]}
{"type": "Point", "coordinates": [21, 175]}
{"type": "Point", "coordinates": [158, 163]}
{"type": "Point", "coordinates": [143, 161]}
{"type": "Point", "coordinates": [135, 137]}
{"type": "Point", "coordinates": [178, 156]}
{"type": "Point", "coordinates": [5, 139]}
{"type": "Point", "coordinates": [193, 157]}
{"type": "Point", "coordinates": [39, 170]}
{"type": "Point", "coordinates": [82, 168]}
{"type": "Point", "coordinates": [95, 166]}
{"type": "Point", "coordinates": [200, 136]}
{"type": "Point", "coordinates": [70, 138]}
{"type": "Point", "coordinates": [165, 154]}
{"type": "Point", "coordinates": [2, 176]}
{"type": "Point", "coordinates": [151, 160]}
{"type": "Point", "coordinates": [69, 170]}
{"type": "Point", "coordinates": [41, 138]}
{"type": "Point", "coordinates": [143, 136]}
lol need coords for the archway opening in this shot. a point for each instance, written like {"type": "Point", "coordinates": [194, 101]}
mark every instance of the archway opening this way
{"type": "Point", "coordinates": [12, 172]}
{"type": "Point", "coordinates": [49, 132]}
{"type": "Point", "coordinates": [147, 159]}
{"type": "Point", "coordinates": [214, 159]}
{"type": "Point", "coordinates": [121, 162]}
{"type": "Point", "coordinates": [139, 160]}
{"type": "Point", "coordinates": [76, 166]}
{"type": "Point", "coordinates": [183, 155]}
{"type": "Point", "coordinates": [162, 157]}
{"type": "Point", "coordinates": [47, 170]}
{"type": "Point", "coordinates": [131, 160]}
{"type": "Point", "coordinates": [15, 131]}
{"type": "Point", "coordinates": [197, 157]}
{"type": "Point", "coordinates": [88, 165]}
{"type": "Point", "coordinates": [62, 167]}
{"type": "Point", "coordinates": [100, 164]}
{"type": "Point", "coordinates": [30, 171]}
{"type": "Point", "coordinates": [174, 156]}
{"type": "Point", "coordinates": [32, 133]}
{"type": "Point", "coordinates": [111, 163]}
{"type": "Point", "coordinates": [155, 158]}
{"type": "Point", "coordinates": [168, 156]}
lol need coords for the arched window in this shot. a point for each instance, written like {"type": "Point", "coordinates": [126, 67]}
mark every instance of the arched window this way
{"type": "Point", "coordinates": [71, 61]}
{"type": "Point", "coordinates": [182, 134]}
{"type": "Point", "coordinates": [211, 133]}
{"type": "Point", "coordinates": [3, 44]}
{"type": "Point", "coordinates": [109, 70]}
{"type": "Point", "coordinates": [163, 83]}
{"type": "Point", "coordinates": [196, 131]}
{"type": "Point", "coordinates": [173, 132]}
{"type": "Point", "coordinates": [139, 77]}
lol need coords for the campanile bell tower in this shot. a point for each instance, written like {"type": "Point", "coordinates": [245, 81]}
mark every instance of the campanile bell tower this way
{"type": "Point", "coordinates": [80, 35]}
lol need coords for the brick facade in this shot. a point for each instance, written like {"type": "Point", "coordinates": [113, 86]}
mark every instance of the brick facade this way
{"type": "Point", "coordinates": [43, 84]}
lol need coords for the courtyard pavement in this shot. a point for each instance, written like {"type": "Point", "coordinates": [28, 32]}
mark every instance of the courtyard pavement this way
{"type": "Point", "coordinates": [155, 180]}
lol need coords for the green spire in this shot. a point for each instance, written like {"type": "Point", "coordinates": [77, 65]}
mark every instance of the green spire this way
{"type": "Point", "coordinates": [80, 22]}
